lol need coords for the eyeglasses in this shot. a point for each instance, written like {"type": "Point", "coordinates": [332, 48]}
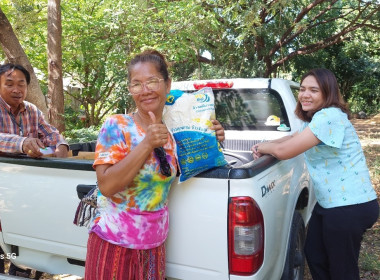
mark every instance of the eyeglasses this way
{"type": "Point", "coordinates": [151, 85]}
{"type": "Point", "coordinates": [164, 165]}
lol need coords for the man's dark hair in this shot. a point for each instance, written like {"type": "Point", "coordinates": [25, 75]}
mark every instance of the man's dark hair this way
{"type": "Point", "coordinates": [10, 66]}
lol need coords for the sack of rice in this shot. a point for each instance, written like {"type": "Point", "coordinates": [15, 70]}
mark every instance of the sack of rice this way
{"type": "Point", "coordinates": [188, 117]}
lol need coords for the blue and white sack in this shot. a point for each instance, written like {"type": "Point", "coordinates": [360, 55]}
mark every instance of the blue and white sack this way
{"type": "Point", "coordinates": [188, 117]}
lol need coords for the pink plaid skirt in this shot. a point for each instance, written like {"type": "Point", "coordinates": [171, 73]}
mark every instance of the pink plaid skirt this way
{"type": "Point", "coordinates": [106, 261]}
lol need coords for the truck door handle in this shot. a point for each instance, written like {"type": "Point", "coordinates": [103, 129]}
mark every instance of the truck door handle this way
{"type": "Point", "coordinates": [82, 190]}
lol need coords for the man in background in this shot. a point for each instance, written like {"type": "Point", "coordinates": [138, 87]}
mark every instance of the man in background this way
{"type": "Point", "coordinates": [23, 129]}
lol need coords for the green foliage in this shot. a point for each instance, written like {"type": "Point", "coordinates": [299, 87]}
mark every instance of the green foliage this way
{"type": "Point", "coordinates": [365, 95]}
{"type": "Point", "coordinates": [356, 64]}
{"type": "Point", "coordinates": [81, 135]}
{"type": "Point", "coordinates": [101, 37]}
{"type": "Point", "coordinates": [245, 38]}
{"type": "Point", "coordinates": [94, 57]}
{"type": "Point", "coordinates": [73, 119]}
{"type": "Point", "coordinates": [29, 22]}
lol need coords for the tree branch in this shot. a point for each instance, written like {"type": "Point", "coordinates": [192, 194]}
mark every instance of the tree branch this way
{"type": "Point", "coordinates": [299, 17]}
{"type": "Point", "coordinates": [336, 38]}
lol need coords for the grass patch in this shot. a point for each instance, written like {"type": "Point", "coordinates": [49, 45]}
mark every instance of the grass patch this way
{"type": "Point", "coordinates": [369, 263]}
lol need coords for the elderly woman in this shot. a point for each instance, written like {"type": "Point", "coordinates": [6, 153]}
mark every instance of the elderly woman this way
{"type": "Point", "coordinates": [135, 166]}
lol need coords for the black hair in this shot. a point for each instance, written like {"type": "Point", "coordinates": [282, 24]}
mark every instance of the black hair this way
{"type": "Point", "coordinates": [154, 57]}
{"type": "Point", "coordinates": [10, 66]}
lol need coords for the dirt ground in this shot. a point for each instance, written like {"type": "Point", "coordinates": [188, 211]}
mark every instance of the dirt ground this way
{"type": "Point", "coordinates": [368, 130]}
{"type": "Point", "coordinates": [369, 134]}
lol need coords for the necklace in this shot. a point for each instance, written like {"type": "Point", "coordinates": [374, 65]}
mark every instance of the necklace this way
{"type": "Point", "coordinates": [138, 124]}
{"type": "Point", "coordinates": [139, 121]}
{"type": "Point", "coordinates": [21, 132]}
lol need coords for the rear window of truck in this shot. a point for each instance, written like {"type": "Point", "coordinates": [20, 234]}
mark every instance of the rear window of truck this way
{"type": "Point", "coordinates": [250, 109]}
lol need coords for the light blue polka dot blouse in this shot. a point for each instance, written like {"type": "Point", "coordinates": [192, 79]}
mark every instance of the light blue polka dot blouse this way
{"type": "Point", "coordinates": [337, 165]}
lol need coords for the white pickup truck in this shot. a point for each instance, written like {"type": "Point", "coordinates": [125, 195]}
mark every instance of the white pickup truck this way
{"type": "Point", "coordinates": [242, 221]}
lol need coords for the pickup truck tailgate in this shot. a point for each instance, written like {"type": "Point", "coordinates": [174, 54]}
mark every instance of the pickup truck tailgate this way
{"type": "Point", "coordinates": [198, 216]}
{"type": "Point", "coordinates": [38, 207]}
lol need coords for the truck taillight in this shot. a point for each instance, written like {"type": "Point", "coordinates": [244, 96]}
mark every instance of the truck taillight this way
{"type": "Point", "coordinates": [245, 236]}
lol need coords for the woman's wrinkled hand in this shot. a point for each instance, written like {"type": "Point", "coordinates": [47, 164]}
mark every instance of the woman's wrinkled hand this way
{"type": "Point", "coordinates": [157, 133]}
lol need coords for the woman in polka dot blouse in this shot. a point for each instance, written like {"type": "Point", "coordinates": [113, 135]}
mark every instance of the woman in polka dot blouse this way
{"type": "Point", "coordinates": [346, 201]}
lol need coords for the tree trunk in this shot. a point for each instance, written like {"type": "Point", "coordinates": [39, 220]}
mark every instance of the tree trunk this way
{"type": "Point", "coordinates": [55, 82]}
{"type": "Point", "coordinates": [15, 54]}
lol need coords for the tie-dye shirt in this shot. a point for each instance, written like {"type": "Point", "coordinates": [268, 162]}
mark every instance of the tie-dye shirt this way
{"type": "Point", "coordinates": [337, 165]}
{"type": "Point", "coordinates": [137, 217]}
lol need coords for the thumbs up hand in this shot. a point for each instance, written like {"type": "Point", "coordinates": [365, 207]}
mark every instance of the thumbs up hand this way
{"type": "Point", "coordinates": [157, 133]}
